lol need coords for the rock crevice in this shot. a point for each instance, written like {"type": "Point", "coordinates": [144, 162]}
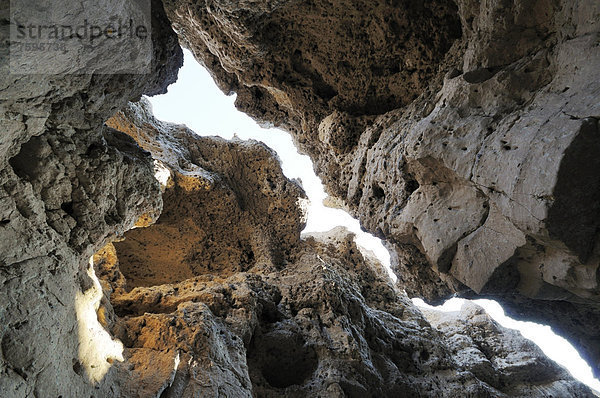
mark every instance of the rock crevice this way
{"type": "Point", "coordinates": [480, 174]}
{"type": "Point", "coordinates": [463, 133]}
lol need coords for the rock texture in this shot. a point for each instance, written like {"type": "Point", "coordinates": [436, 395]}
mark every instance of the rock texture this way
{"type": "Point", "coordinates": [227, 206]}
{"type": "Point", "coordinates": [310, 316]}
{"type": "Point", "coordinates": [68, 185]}
{"type": "Point", "coordinates": [463, 133]}
{"type": "Point", "coordinates": [496, 355]}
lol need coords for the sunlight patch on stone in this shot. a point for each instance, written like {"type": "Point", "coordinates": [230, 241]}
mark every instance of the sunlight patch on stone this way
{"type": "Point", "coordinates": [97, 349]}
{"type": "Point", "coordinates": [176, 362]}
{"type": "Point", "coordinates": [162, 174]}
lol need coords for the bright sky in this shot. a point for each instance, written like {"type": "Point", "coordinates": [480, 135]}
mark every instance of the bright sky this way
{"type": "Point", "coordinates": [195, 100]}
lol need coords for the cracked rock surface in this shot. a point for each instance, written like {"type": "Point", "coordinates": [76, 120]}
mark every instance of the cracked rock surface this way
{"type": "Point", "coordinates": [468, 138]}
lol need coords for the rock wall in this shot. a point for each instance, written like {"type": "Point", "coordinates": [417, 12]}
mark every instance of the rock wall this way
{"type": "Point", "coordinates": [463, 133]}
{"type": "Point", "coordinates": [222, 297]}
{"type": "Point", "coordinates": [68, 185]}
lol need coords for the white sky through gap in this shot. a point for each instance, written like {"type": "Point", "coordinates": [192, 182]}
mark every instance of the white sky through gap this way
{"type": "Point", "coordinates": [196, 101]}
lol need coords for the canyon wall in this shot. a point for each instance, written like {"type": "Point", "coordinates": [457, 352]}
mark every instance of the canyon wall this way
{"type": "Point", "coordinates": [68, 185]}
{"type": "Point", "coordinates": [222, 296]}
{"type": "Point", "coordinates": [464, 134]}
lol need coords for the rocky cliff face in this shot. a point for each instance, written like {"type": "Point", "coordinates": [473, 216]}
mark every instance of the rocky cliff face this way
{"type": "Point", "coordinates": [465, 134]}
{"type": "Point", "coordinates": [222, 297]}
{"type": "Point", "coordinates": [68, 185]}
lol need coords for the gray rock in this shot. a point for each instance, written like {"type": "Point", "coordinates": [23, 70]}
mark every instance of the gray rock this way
{"type": "Point", "coordinates": [464, 134]}
{"type": "Point", "coordinates": [468, 140]}
{"type": "Point", "coordinates": [68, 185]}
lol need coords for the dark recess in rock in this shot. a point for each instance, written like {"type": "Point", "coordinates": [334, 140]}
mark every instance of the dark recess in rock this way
{"type": "Point", "coordinates": [574, 217]}
{"type": "Point", "coordinates": [280, 357]}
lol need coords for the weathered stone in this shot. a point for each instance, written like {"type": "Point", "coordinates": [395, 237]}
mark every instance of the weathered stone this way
{"type": "Point", "coordinates": [484, 162]}
{"type": "Point", "coordinates": [465, 134]}
{"type": "Point", "coordinates": [321, 319]}
{"type": "Point", "coordinates": [302, 57]}
{"type": "Point", "coordinates": [227, 206]}
{"type": "Point", "coordinates": [68, 185]}
{"type": "Point", "coordinates": [344, 330]}
{"type": "Point", "coordinates": [496, 355]}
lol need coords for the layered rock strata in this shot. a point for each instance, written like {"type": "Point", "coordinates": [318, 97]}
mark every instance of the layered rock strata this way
{"type": "Point", "coordinates": [463, 133]}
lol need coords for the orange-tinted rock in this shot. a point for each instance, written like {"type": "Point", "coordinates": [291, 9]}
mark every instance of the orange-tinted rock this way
{"type": "Point", "coordinates": [321, 319]}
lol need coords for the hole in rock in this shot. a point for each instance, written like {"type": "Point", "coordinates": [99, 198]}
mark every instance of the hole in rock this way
{"type": "Point", "coordinates": [212, 113]}
{"type": "Point", "coordinates": [25, 163]}
{"type": "Point", "coordinates": [378, 192]}
{"type": "Point", "coordinates": [282, 358]}
{"type": "Point", "coordinates": [67, 207]}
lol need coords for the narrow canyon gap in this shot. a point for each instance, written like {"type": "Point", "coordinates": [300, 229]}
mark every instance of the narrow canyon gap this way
{"type": "Point", "coordinates": [462, 134]}
{"type": "Point", "coordinates": [216, 115]}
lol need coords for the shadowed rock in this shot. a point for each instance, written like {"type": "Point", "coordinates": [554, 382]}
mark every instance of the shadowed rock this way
{"type": "Point", "coordinates": [321, 318]}
{"type": "Point", "coordinates": [463, 133]}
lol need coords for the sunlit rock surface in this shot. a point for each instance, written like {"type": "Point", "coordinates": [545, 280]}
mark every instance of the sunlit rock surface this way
{"type": "Point", "coordinates": [463, 133]}
{"type": "Point", "coordinates": [227, 206]}
{"type": "Point", "coordinates": [317, 318]}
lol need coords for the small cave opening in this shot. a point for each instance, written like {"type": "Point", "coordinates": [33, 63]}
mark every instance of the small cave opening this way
{"type": "Point", "coordinates": [26, 162]}
{"type": "Point", "coordinates": [378, 192]}
{"type": "Point", "coordinates": [281, 358]}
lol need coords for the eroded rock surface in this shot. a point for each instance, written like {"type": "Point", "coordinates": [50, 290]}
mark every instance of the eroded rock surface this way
{"type": "Point", "coordinates": [68, 185]}
{"type": "Point", "coordinates": [256, 221]}
{"type": "Point", "coordinates": [319, 318]}
{"type": "Point", "coordinates": [465, 134]}
{"type": "Point", "coordinates": [329, 324]}
{"type": "Point", "coordinates": [468, 138]}
{"type": "Point", "coordinates": [498, 356]}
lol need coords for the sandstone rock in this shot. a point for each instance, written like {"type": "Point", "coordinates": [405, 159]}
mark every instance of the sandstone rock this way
{"type": "Point", "coordinates": [299, 57]}
{"type": "Point", "coordinates": [329, 323]}
{"type": "Point", "coordinates": [62, 198]}
{"type": "Point", "coordinates": [442, 126]}
{"type": "Point", "coordinates": [227, 205]}
{"type": "Point", "coordinates": [470, 144]}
